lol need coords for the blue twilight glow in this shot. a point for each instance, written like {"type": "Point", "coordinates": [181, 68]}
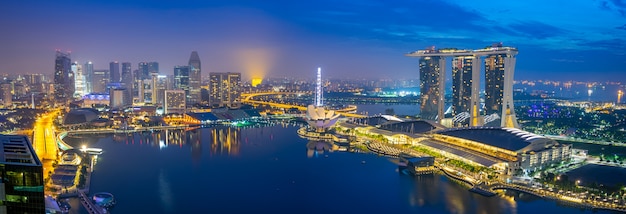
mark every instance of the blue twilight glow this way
{"type": "Point", "coordinates": [581, 39]}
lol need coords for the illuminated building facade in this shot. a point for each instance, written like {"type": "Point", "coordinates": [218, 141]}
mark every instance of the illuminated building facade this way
{"type": "Point", "coordinates": [195, 78]}
{"type": "Point", "coordinates": [119, 98]}
{"type": "Point", "coordinates": [146, 69]}
{"type": "Point", "coordinates": [114, 71]}
{"type": "Point", "coordinates": [63, 77]}
{"type": "Point", "coordinates": [7, 96]}
{"type": "Point", "coordinates": [461, 86]}
{"type": "Point", "coordinates": [79, 80]}
{"type": "Point", "coordinates": [127, 78]}
{"type": "Point", "coordinates": [499, 69]}
{"type": "Point", "coordinates": [100, 79]}
{"type": "Point", "coordinates": [224, 89]}
{"type": "Point", "coordinates": [88, 72]}
{"type": "Point", "coordinates": [21, 190]}
{"type": "Point", "coordinates": [175, 101]}
{"type": "Point", "coordinates": [431, 87]}
{"type": "Point", "coordinates": [182, 80]}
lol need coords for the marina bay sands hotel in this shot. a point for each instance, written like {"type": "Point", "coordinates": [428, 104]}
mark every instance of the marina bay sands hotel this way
{"type": "Point", "coordinates": [466, 108]}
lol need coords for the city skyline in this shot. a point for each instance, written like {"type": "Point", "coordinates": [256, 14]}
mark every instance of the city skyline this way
{"type": "Point", "coordinates": [579, 41]}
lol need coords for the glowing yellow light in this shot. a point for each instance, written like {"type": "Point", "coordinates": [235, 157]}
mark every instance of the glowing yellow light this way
{"type": "Point", "coordinates": [256, 81]}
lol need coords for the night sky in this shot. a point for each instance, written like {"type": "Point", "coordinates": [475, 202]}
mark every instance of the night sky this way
{"type": "Point", "coordinates": [558, 40]}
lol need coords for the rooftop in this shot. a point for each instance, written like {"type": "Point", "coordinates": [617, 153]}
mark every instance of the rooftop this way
{"type": "Point", "coordinates": [17, 150]}
{"type": "Point", "coordinates": [507, 138]}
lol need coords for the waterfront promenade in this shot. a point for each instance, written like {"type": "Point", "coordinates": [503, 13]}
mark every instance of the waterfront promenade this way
{"type": "Point", "coordinates": [574, 199]}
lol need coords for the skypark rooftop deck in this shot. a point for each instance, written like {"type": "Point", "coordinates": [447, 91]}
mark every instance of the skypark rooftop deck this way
{"type": "Point", "coordinates": [463, 52]}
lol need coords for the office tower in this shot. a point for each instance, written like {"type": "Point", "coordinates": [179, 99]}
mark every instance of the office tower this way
{"type": "Point", "coordinates": [182, 80]}
{"type": "Point", "coordinates": [7, 98]}
{"type": "Point", "coordinates": [22, 188]}
{"type": "Point", "coordinates": [153, 88]}
{"type": "Point", "coordinates": [127, 78]}
{"type": "Point", "coordinates": [431, 87]}
{"type": "Point", "coordinates": [164, 82]}
{"type": "Point", "coordinates": [119, 98]}
{"type": "Point", "coordinates": [147, 68]}
{"type": "Point", "coordinates": [88, 72]}
{"type": "Point", "coordinates": [100, 79]}
{"type": "Point", "coordinates": [79, 80]}
{"type": "Point", "coordinates": [114, 71]}
{"type": "Point", "coordinates": [63, 77]}
{"type": "Point", "coordinates": [35, 81]}
{"type": "Point", "coordinates": [175, 101]}
{"type": "Point", "coordinates": [195, 78]}
{"type": "Point", "coordinates": [137, 84]}
{"type": "Point", "coordinates": [224, 89]}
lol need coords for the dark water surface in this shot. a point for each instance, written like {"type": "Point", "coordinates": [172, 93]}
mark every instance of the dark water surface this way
{"type": "Point", "coordinates": [267, 170]}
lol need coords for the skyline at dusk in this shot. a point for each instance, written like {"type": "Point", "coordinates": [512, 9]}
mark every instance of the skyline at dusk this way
{"type": "Point", "coordinates": [583, 40]}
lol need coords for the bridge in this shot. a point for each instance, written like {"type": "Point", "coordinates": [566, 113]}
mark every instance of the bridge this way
{"type": "Point", "coordinates": [246, 98]}
{"type": "Point", "coordinates": [44, 138]}
{"type": "Point", "coordinates": [88, 204]}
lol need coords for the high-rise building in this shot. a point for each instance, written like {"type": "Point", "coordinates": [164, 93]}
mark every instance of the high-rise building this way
{"type": "Point", "coordinates": [164, 82]}
{"type": "Point", "coordinates": [119, 98]}
{"type": "Point", "coordinates": [195, 78]}
{"type": "Point", "coordinates": [35, 82]}
{"type": "Point", "coordinates": [175, 101]}
{"type": "Point", "coordinates": [22, 188]}
{"type": "Point", "coordinates": [499, 69]}
{"type": "Point", "coordinates": [146, 69]}
{"type": "Point", "coordinates": [494, 83]}
{"type": "Point", "coordinates": [63, 77]}
{"type": "Point", "coordinates": [127, 78]}
{"type": "Point", "coordinates": [88, 72]}
{"type": "Point", "coordinates": [7, 96]}
{"type": "Point", "coordinates": [79, 80]}
{"type": "Point", "coordinates": [114, 71]}
{"type": "Point", "coordinates": [100, 79]}
{"type": "Point", "coordinates": [431, 87]}
{"type": "Point", "coordinates": [224, 89]}
{"type": "Point", "coordinates": [461, 85]}
{"type": "Point", "coordinates": [182, 80]}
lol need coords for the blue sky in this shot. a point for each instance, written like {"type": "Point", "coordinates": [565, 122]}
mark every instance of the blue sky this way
{"type": "Point", "coordinates": [576, 39]}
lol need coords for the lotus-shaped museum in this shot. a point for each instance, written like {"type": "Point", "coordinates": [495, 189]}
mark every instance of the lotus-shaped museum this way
{"type": "Point", "coordinates": [320, 119]}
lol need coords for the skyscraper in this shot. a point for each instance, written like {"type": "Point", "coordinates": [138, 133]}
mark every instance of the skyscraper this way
{"type": "Point", "coordinates": [88, 72]}
{"type": "Point", "coordinates": [195, 78]}
{"type": "Point", "coordinates": [114, 71]}
{"type": "Point", "coordinates": [79, 79]}
{"type": "Point", "coordinates": [127, 78]}
{"type": "Point", "coordinates": [63, 77]}
{"type": "Point", "coordinates": [182, 81]}
{"type": "Point", "coordinates": [7, 97]}
{"type": "Point", "coordinates": [174, 101]}
{"type": "Point", "coordinates": [22, 189]}
{"type": "Point", "coordinates": [431, 87]}
{"type": "Point", "coordinates": [461, 85]}
{"type": "Point", "coordinates": [147, 68]}
{"type": "Point", "coordinates": [100, 79]}
{"type": "Point", "coordinates": [224, 89]}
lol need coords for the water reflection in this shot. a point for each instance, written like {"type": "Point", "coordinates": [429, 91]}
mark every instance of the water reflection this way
{"type": "Point", "coordinates": [314, 148]}
{"type": "Point", "coordinates": [225, 141]}
{"type": "Point", "coordinates": [437, 190]}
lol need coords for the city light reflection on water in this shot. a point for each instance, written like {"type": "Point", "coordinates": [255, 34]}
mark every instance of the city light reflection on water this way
{"type": "Point", "coordinates": [217, 169]}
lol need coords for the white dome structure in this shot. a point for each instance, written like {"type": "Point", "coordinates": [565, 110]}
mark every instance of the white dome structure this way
{"type": "Point", "coordinates": [320, 119]}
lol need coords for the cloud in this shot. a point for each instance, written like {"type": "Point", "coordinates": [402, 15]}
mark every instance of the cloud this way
{"type": "Point", "coordinates": [536, 29]}
{"type": "Point", "coordinates": [567, 60]}
{"type": "Point", "coordinates": [618, 6]}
